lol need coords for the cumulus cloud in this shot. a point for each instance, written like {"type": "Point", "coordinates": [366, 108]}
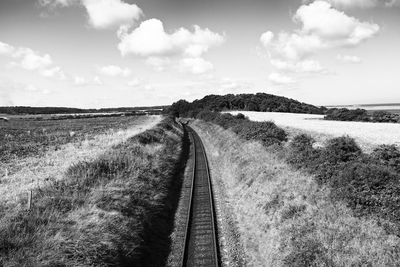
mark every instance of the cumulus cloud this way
{"type": "Point", "coordinates": [321, 27]}
{"type": "Point", "coordinates": [55, 3]}
{"type": "Point", "coordinates": [53, 72]}
{"type": "Point", "coordinates": [333, 27]}
{"type": "Point", "coordinates": [160, 48]}
{"type": "Point", "coordinates": [6, 49]}
{"type": "Point", "coordinates": [349, 59]}
{"type": "Point", "coordinates": [266, 38]}
{"type": "Point", "coordinates": [280, 79]}
{"type": "Point", "coordinates": [150, 39]}
{"type": "Point", "coordinates": [294, 46]}
{"type": "Point", "coordinates": [31, 60]}
{"type": "Point", "coordinates": [113, 71]}
{"type": "Point", "coordinates": [158, 63]}
{"type": "Point", "coordinates": [102, 14]}
{"type": "Point", "coordinates": [110, 13]}
{"type": "Point", "coordinates": [344, 4]}
{"type": "Point", "coordinates": [196, 65]}
{"type": "Point", "coordinates": [301, 66]}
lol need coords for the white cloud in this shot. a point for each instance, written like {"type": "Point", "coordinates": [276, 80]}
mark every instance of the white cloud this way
{"type": "Point", "coordinates": [322, 27]}
{"type": "Point", "coordinates": [158, 63]}
{"type": "Point", "coordinates": [196, 65]}
{"type": "Point", "coordinates": [97, 80]}
{"type": "Point", "coordinates": [344, 4]}
{"type": "Point", "coordinates": [81, 81]}
{"type": "Point", "coordinates": [308, 65]}
{"type": "Point", "coordinates": [31, 60]}
{"type": "Point", "coordinates": [266, 38]}
{"type": "Point", "coordinates": [161, 49]}
{"type": "Point", "coordinates": [54, 3]}
{"type": "Point", "coordinates": [278, 78]}
{"type": "Point", "coordinates": [229, 85]}
{"type": "Point", "coordinates": [53, 72]}
{"type": "Point", "coordinates": [113, 71]}
{"type": "Point", "coordinates": [110, 13]}
{"type": "Point", "coordinates": [295, 46]}
{"type": "Point", "coordinates": [6, 49]}
{"type": "Point", "coordinates": [333, 27]}
{"type": "Point", "coordinates": [135, 82]}
{"type": "Point", "coordinates": [150, 39]}
{"type": "Point", "coordinates": [102, 14]}
{"type": "Point", "coordinates": [392, 3]}
{"type": "Point", "coordinates": [31, 88]}
{"type": "Point", "coordinates": [349, 59]}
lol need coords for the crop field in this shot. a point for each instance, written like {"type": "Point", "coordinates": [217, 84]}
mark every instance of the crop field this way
{"type": "Point", "coordinates": [36, 153]}
{"type": "Point", "coordinates": [22, 137]}
{"type": "Point", "coordinates": [111, 207]}
{"type": "Point", "coordinates": [366, 134]}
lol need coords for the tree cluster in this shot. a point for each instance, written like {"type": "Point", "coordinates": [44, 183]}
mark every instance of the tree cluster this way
{"type": "Point", "coordinates": [344, 114]}
{"type": "Point", "coordinates": [248, 102]}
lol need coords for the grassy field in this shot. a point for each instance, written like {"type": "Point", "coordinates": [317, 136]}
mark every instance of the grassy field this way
{"type": "Point", "coordinates": [115, 209]}
{"type": "Point", "coordinates": [24, 137]}
{"type": "Point", "coordinates": [285, 218]}
{"type": "Point", "coordinates": [47, 149]}
{"type": "Point", "coordinates": [368, 135]}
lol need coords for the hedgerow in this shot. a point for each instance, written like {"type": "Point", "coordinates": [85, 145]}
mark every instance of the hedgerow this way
{"type": "Point", "coordinates": [265, 132]}
{"type": "Point", "coordinates": [344, 114]}
{"type": "Point", "coordinates": [369, 184]}
{"type": "Point", "coordinates": [388, 155]}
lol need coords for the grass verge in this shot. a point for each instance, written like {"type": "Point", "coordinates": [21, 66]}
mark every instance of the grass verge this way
{"type": "Point", "coordinates": [284, 216]}
{"type": "Point", "coordinates": [116, 210]}
{"type": "Point", "coordinates": [20, 175]}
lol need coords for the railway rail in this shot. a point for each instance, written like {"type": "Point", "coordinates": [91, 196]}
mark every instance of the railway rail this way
{"type": "Point", "coordinates": [201, 239]}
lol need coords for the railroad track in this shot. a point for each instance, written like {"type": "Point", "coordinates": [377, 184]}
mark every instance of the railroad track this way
{"type": "Point", "coordinates": [201, 240]}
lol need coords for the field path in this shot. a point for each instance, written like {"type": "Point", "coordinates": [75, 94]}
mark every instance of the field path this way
{"type": "Point", "coordinates": [39, 171]}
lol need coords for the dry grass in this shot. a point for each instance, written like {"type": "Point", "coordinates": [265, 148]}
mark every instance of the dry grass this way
{"type": "Point", "coordinates": [114, 210]}
{"type": "Point", "coordinates": [367, 134]}
{"type": "Point", "coordinates": [284, 217]}
{"type": "Point", "coordinates": [20, 175]}
{"type": "Point", "coordinates": [23, 137]}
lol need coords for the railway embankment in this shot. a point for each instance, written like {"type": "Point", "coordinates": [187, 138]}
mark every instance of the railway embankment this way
{"type": "Point", "coordinates": [117, 209]}
{"type": "Point", "coordinates": [284, 217]}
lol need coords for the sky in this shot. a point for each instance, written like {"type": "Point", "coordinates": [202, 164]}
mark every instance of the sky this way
{"type": "Point", "coordinates": [113, 53]}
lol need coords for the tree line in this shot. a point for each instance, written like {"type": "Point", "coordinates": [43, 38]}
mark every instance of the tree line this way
{"type": "Point", "coordinates": [247, 102]}
{"type": "Point", "coordinates": [16, 110]}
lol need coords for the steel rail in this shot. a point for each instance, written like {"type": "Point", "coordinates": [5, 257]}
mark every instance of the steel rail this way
{"type": "Point", "coordinates": [189, 253]}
